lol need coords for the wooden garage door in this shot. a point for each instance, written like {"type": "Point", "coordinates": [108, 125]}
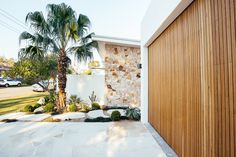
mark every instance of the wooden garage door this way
{"type": "Point", "coordinates": [192, 81]}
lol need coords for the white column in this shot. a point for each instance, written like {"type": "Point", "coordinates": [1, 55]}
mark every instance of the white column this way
{"type": "Point", "coordinates": [144, 84]}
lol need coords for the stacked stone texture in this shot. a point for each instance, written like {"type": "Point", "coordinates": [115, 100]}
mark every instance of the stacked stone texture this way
{"type": "Point", "coordinates": [122, 75]}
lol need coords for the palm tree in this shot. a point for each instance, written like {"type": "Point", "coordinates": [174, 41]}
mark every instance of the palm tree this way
{"type": "Point", "coordinates": [61, 33]}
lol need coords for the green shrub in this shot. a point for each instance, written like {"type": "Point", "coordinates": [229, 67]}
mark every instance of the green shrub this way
{"type": "Point", "coordinates": [115, 116]}
{"type": "Point", "coordinates": [46, 99]}
{"type": "Point", "coordinates": [98, 119]}
{"type": "Point", "coordinates": [84, 107]}
{"type": "Point", "coordinates": [73, 107]}
{"type": "Point", "coordinates": [49, 107]}
{"type": "Point", "coordinates": [51, 98]}
{"type": "Point", "coordinates": [133, 113]}
{"type": "Point", "coordinates": [28, 108]}
{"type": "Point", "coordinates": [95, 106]}
{"type": "Point", "coordinates": [36, 106]}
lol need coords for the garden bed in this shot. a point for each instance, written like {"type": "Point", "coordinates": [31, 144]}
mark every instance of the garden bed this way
{"type": "Point", "coordinates": [44, 110]}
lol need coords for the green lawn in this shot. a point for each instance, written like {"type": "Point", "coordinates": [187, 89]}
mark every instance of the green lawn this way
{"type": "Point", "coordinates": [15, 104]}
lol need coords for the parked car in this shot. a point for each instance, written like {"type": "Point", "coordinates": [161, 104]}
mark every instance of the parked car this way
{"type": "Point", "coordinates": [38, 87]}
{"type": "Point", "coordinates": [43, 85]}
{"type": "Point", "coordinates": [9, 82]}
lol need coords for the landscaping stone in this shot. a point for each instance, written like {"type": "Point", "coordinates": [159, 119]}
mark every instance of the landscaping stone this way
{"type": "Point", "coordinates": [12, 115]}
{"type": "Point", "coordinates": [70, 115]}
{"type": "Point", "coordinates": [33, 117]}
{"type": "Point", "coordinates": [97, 113]}
{"type": "Point", "coordinates": [122, 112]}
{"type": "Point", "coordinates": [39, 110]}
{"type": "Point", "coordinates": [41, 101]}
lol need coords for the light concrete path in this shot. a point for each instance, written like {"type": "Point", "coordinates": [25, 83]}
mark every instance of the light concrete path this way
{"type": "Point", "coordinates": [15, 92]}
{"type": "Point", "coordinates": [14, 115]}
{"type": "Point", "coordinates": [38, 139]}
{"type": "Point", "coordinates": [21, 116]}
{"type": "Point", "coordinates": [33, 117]}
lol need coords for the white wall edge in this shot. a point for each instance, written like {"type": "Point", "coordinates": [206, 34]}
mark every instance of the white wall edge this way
{"type": "Point", "coordinates": [144, 85]}
{"type": "Point", "coordinates": [169, 17]}
{"type": "Point", "coordinates": [117, 41]}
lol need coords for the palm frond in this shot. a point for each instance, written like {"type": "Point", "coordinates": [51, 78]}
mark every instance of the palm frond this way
{"type": "Point", "coordinates": [32, 52]}
{"type": "Point", "coordinates": [86, 39]}
{"type": "Point", "coordinates": [26, 36]}
{"type": "Point", "coordinates": [84, 52]}
{"type": "Point", "coordinates": [83, 25]}
{"type": "Point", "coordinates": [37, 21]}
{"type": "Point", "coordinates": [72, 33]}
{"type": "Point", "coordinates": [61, 18]}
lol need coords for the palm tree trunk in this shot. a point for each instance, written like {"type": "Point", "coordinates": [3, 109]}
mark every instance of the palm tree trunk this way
{"type": "Point", "coordinates": [62, 65]}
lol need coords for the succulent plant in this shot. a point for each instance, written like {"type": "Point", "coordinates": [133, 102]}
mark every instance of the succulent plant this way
{"type": "Point", "coordinates": [75, 99]}
{"type": "Point", "coordinates": [133, 113]}
{"type": "Point", "coordinates": [83, 107]}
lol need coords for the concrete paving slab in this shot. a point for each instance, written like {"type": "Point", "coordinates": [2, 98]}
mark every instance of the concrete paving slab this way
{"type": "Point", "coordinates": [33, 117]}
{"type": "Point", "coordinates": [71, 139]}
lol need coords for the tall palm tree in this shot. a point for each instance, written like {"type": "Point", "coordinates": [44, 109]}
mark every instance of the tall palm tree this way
{"type": "Point", "coordinates": [61, 33]}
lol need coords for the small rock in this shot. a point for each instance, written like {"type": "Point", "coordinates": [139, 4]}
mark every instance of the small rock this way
{"type": "Point", "coordinates": [96, 113]}
{"type": "Point", "coordinates": [41, 101]}
{"type": "Point", "coordinates": [39, 110]}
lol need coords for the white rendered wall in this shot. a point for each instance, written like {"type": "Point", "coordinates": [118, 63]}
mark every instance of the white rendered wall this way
{"type": "Point", "coordinates": [144, 85]}
{"type": "Point", "coordinates": [160, 14]}
{"type": "Point", "coordinates": [84, 85]}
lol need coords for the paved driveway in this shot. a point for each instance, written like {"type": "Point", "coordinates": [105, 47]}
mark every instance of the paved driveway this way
{"type": "Point", "coordinates": [71, 139]}
{"type": "Point", "coordinates": [15, 92]}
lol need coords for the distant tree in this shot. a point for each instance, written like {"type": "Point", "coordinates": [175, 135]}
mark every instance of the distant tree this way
{"type": "Point", "coordinates": [6, 62]}
{"type": "Point", "coordinates": [33, 71]}
{"type": "Point", "coordinates": [61, 33]}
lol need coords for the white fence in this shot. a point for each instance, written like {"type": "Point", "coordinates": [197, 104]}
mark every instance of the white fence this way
{"type": "Point", "coordinates": [84, 85]}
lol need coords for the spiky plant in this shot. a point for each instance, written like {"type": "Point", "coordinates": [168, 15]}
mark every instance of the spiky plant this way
{"type": "Point", "coordinates": [133, 113]}
{"type": "Point", "coordinates": [75, 99]}
{"type": "Point", "coordinates": [93, 97]}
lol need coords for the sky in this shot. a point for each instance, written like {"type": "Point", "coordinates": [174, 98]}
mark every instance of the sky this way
{"type": "Point", "coordinates": [114, 18]}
